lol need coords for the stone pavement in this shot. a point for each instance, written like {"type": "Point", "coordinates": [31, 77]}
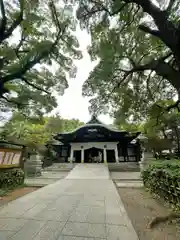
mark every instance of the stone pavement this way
{"type": "Point", "coordinates": [127, 179]}
{"type": "Point", "coordinates": [89, 171]}
{"type": "Point", "coordinates": [47, 177]}
{"type": "Point", "coordinates": [69, 209]}
{"type": "Point", "coordinates": [126, 176]}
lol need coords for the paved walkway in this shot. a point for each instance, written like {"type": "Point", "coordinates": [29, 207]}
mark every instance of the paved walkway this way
{"type": "Point", "coordinates": [46, 178]}
{"type": "Point", "coordinates": [89, 171]}
{"type": "Point", "coordinates": [70, 209]}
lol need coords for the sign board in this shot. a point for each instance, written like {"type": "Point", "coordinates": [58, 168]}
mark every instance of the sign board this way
{"type": "Point", "coordinates": [10, 158]}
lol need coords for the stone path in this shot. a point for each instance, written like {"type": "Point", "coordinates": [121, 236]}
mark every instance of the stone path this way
{"type": "Point", "coordinates": [70, 209]}
{"type": "Point", "coordinates": [89, 171]}
{"type": "Point", "coordinates": [126, 176]}
{"type": "Point", "coordinates": [46, 178]}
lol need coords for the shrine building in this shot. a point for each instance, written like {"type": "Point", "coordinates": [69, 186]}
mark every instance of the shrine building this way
{"type": "Point", "coordinates": [97, 142]}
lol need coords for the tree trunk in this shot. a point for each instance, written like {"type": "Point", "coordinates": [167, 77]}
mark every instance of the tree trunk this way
{"type": "Point", "coordinates": [177, 137]}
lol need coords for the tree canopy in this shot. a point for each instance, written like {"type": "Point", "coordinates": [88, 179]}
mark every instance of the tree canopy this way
{"type": "Point", "coordinates": [33, 133]}
{"type": "Point", "coordinates": [37, 48]}
{"type": "Point", "coordinates": [137, 45]}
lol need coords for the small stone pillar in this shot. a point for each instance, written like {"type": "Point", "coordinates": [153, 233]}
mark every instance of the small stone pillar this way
{"type": "Point", "coordinates": [33, 166]}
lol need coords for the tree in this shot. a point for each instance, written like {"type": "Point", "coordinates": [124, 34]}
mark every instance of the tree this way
{"type": "Point", "coordinates": [34, 133]}
{"type": "Point", "coordinates": [128, 126]}
{"type": "Point", "coordinates": [158, 144]}
{"type": "Point", "coordinates": [69, 125]}
{"type": "Point", "coordinates": [137, 44]}
{"type": "Point", "coordinates": [56, 124]}
{"type": "Point", "coordinates": [163, 125]}
{"type": "Point", "coordinates": [34, 36]}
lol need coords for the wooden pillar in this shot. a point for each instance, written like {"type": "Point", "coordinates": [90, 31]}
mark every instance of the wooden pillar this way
{"type": "Point", "coordinates": [71, 155]}
{"type": "Point", "coordinates": [82, 154]}
{"type": "Point", "coordinates": [116, 154]}
{"type": "Point", "coordinates": [105, 155]}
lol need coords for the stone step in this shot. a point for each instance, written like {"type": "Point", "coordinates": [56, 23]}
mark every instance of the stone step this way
{"type": "Point", "coordinates": [130, 184]}
{"type": "Point", "coordinates": [124, 166]}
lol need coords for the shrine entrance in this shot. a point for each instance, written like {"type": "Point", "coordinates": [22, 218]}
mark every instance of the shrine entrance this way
{"type": "Point", "coordinates": [93, 155]}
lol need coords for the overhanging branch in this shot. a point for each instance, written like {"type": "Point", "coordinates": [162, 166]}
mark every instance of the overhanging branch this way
{"type": "Point", "coordinates": [34, 86]}
{"type": "Point", "coordinates": [4, 19]}
{"type": "Point", "coordinates": [126, 74]}
{"type": "Point", "coordinates": [175, 105]}
{"type": "Point", "coordinates": [19, 104]}
{"type": "Point", "coordinates": [153, 32]}
{"type": "Point", "coordinates": [162, 68]}
{"type": "Point", "coordinates": [167, 29]}
{"type": "Point", "coordinates": [14, 25]}
{"type": "Point", "coordinates": [171, 3]}
{"type": "Point", "coordinates": [32, 63]}
{"type": "Point", "coordinates": [119, 9]}
{"type": "Point", "coordinates": [163, 110]}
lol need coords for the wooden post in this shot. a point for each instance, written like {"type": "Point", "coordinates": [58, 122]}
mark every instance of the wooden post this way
{"type": "Point", "coordinates": [116, 154]}
{"type": "Point", "coordinates": [82, 154]}
{"type": "Point", "coordinates": [105, 155]}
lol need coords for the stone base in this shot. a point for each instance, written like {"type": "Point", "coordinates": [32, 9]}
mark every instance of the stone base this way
{"type": "Point", "coordinates": [33, 166]}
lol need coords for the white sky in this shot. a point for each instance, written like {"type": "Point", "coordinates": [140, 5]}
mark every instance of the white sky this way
{"type": "Point", "coordinates": [72, 104]}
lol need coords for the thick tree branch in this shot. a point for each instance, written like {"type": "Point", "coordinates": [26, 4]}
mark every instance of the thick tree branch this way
{"type": "Point", "coordinates": [175, 105]}
{"type": "Point", "coordinates": [160, 66]}
{"type": "Point", "coordinates": [162, 69]}
{"type": "Point", "coordinates": [34, 86]}
{"type": "Point", "coordinates": [60, 29]}
{"type": "Point", "coordinates": [27, 66]}
{"type": "Point", "coordinates": [103, 8]}
{"type": "Point", "coordinates": [171, 3]}
{"type": "Point", "coordinates": [146, 29]}
{"type": "Point", "coordinates": [119, 9]}
{"type": "Point", "coordinates": [126, 74]}
{"type": "Point", "coordinates": [163, 110]}
{"type": "Point", "coordinates": [14, 25]}
{"type": "Point", "coordinates": [13, 101]}
{"type": "Point", "coordinates": [4, 19]}
{"type": "Point", "coordinates": [169, 34]}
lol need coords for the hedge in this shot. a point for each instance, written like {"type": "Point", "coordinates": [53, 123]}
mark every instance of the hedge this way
{"type": "Point", "coordinates": [163, 179]}
{"type": "Point", "coordinates": [10, 178]}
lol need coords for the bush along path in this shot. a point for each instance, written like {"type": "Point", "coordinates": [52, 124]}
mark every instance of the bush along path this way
{"type": "Point", "coordinates": [162, 178]}
{"type": "Point", "coordinates": [11, 178]}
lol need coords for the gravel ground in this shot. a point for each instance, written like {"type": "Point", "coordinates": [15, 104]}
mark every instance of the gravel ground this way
{"type": "Point", "coordinates": [142, 208]}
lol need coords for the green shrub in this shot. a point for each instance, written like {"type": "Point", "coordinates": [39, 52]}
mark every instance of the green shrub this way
{"type": "Point", "coordinates": [163, 179]}
{"type": "Point", "coordinates": [11, 178]}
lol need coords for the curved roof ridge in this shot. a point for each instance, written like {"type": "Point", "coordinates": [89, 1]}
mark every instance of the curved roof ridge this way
{"type": "Point", "coordinates": [94, 124]}
{"type": "Point", "coordinates": [94, 119]}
